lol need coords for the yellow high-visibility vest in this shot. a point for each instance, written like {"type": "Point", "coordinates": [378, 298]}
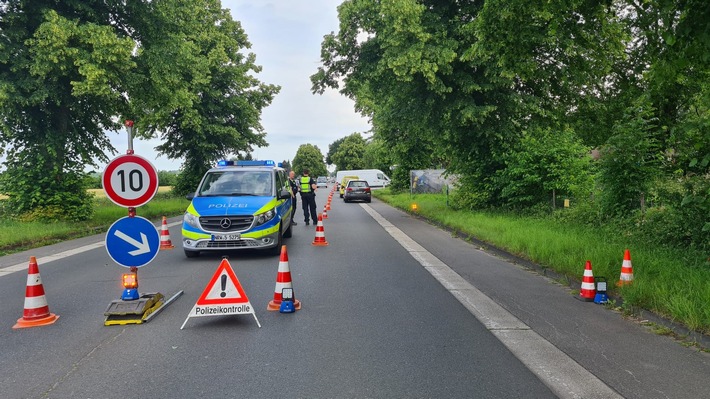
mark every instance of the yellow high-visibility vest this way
{"type": "Point", "coordinates": [306, 184]}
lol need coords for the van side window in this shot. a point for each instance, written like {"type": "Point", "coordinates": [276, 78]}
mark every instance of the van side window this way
{"type": "Point", "coordinates": [282, 181]}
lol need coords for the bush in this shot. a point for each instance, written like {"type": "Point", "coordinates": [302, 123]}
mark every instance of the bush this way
{"type": "Point", "coordinates": [628, 163]}
{"type": "Point", "coordinates": [36, 194]}
{"type": "Point", "coordinates": [543, 162]}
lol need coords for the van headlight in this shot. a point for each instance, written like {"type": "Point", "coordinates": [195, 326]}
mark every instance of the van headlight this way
{"type": "Point", "coordinates": [264, 217]}
{"type": "Point", "coordinates": [191, 220]}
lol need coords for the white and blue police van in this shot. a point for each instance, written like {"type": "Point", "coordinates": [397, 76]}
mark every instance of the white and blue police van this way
{"type": "Point", "coordinates": [239, 206]}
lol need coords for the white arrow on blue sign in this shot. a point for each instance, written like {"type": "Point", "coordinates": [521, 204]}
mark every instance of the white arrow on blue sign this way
{"type": "Point", "coordinates": [132, 241]}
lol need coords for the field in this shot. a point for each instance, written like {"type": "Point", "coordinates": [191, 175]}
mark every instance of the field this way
{"type": "Point", "coordinates": [17, 236]}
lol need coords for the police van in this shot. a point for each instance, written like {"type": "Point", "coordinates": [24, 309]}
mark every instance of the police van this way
{"type": "Point", "coordinates": [239, 206]}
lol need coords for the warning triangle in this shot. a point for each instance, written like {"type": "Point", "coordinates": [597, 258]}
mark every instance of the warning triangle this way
{"type": "Point", "coordinates": [224, 288]}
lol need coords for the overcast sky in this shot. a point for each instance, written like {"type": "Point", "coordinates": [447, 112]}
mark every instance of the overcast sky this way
{"type": "Point", "coordinates": [286, 36]}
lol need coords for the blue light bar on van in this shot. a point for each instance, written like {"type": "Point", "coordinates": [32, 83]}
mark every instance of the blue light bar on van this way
{"type": "Point", "coordinates": [256, 163]}
{"type": "Point", "coordinates": [224, 162]}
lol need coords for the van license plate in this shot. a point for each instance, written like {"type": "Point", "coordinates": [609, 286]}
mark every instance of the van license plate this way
{"type": "Point", "coordinates": [225, 237]}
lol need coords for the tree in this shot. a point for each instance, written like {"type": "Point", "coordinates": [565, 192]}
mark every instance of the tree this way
{"type": "Point", "coordinates": [286, 164]}
{"type": "Point", "coordinates": [309, 157]}
{"type": "Point", "coordinates": [206, 102]}
{"type": "Point", "coordinates": [546, 163]}
{"type": "Point", "coordinates": [70, 71]}
{"type": "Point", "coordinates": [457, 83]}
{"type": "Point", "coordinates": [332, 149]}
{"type": "Point", "coordinates": [350, 152]}
{"type": "Point", "coordinates": [62, 70]}
{"type": "Point", "coordinates": [377, 155]}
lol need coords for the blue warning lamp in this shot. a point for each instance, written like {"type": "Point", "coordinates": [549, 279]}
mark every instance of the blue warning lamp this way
{"type": "Point", "coordinates": [601, 296]}
{"type": "Point", "coordinates": [287, 301]}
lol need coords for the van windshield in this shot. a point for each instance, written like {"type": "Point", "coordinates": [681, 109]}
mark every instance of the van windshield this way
{"type": "Point", "coordinates": [237, 183]}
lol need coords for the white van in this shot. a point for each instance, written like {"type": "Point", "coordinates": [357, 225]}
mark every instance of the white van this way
{"type": "Point", "coordinates": [374, 177]}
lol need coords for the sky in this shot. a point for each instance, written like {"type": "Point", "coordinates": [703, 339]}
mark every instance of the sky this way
{"type": "Point", "coordinates": [286, 36]}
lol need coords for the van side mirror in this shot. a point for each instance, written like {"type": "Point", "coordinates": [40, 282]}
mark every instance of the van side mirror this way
{"type": "Point", "coordinates": [284, 194]}
{"type": "Point", "coordinates": [190, 196]}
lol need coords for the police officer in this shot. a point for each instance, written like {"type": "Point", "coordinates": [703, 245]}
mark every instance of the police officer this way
{"type": "Point", "coordinates": [308, 197]}
{"type": "Point", "coordinates": [295, 188]}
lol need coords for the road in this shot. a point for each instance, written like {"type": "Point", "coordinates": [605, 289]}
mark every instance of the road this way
{"type": "Point", "coordinates": [384, 315]}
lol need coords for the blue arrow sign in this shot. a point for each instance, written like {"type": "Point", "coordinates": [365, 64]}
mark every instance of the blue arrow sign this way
{"type": "Point", "coordinates": [132, 241]}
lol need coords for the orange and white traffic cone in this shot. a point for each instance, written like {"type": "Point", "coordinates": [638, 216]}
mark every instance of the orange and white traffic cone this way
{"type": "Point", "coordinates": [320, 233]}
{"type": "Point", "coordinates": [36, 311]}
{"type": "Point", "coordinates": [283, 280]}
{"type": "Point", "coordinates": [627, 271]}
{"type": "Point", "coordinates": [325, 212]}
{"type": "Point", "coordinates": [587, 291]}
{"type": "Point", "coordinates": [327, 205]}
{"type": "Point", "coordinates": [165, 242]}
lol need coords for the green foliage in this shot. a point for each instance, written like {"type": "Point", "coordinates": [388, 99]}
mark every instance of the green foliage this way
{"type": "Point", "coordinates": [286, 164]}
{"type": "Point", "coordinates": [543, 162]}
{"type": "Point", "coordinates": [309, 156]}
{"type": "Point", "coordinates": [628, 162]}
{"type": "Point", "coordinates": [206, 102]}
{"type": "Point", "coordinates": [167, 178]}
{"type": "Point", "coordinates": [350, 153]}
{"type": "Point", "coordinates": [17, 235]}
{"type": "Point", "coordinates": [62, 73]}
{"type": "Point", "coordinates": [34, 195]}
{"type": "Point", "coordinates": [332, 149]}
{"type": "Point", "coordinates": [70, 71]}
{"type": "Point", "coordinates": [377, 155]}
{"type": "Point", "coordinates": [93, 180]}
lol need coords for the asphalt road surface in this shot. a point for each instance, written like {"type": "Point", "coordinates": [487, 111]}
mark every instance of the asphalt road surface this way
{"type": "Point", "coordinates": [377, 321]}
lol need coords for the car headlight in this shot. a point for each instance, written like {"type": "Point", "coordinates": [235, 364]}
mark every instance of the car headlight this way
{"type": "Point", "coordinates": [264, 217]}
{"type": "Point", "coordinates": [191, 220]}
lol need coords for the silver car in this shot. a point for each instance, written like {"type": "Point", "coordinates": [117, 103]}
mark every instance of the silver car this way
{"type": "Point", "coordinates": [357, 190]}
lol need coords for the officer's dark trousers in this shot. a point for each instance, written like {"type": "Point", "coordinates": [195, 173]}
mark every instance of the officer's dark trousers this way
{"type": "Point", "coordinates": [295, 206]}
{"type": "Point", "coordinates": [309, 204]}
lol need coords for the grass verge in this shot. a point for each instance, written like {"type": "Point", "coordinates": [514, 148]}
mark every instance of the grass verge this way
{"type": "Point", "coordinates": [18, 236]}
{"type": "Point", "coordinates": [673, 283]}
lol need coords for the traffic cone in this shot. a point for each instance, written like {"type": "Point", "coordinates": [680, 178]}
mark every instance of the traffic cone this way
{"type": "Point", "coordinates": [165, 242]}
{"type": "Point", "coordinates": [320, 233]}
{"type": "Point", "coordinates": [36, 311]}
{"type": "Point", "coordinates": [627, 271]}
{"type": "Point", "coordinates": [283, 280]}
{"type": "Point", "coordinates": [587, 292]}
{"type": "Point", "coordinates": [327, 205]}
{"type": "Point", "coordinates": [325, 212]}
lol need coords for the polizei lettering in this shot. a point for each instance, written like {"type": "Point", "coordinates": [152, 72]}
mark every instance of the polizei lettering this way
{"type": "Point", "coordinates": [227, 206]}
{"type": "Point", "coordinates": [216, 310]}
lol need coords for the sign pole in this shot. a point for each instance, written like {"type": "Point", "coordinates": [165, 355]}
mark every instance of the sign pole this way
{"type": "Point", "coordinates": [131, 181]}
{"type": "Point", "coordinates": [129, 130]}
{"type": "Point", "coordinates": [131, 210]}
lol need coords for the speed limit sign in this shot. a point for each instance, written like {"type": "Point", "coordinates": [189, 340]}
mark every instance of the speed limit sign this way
{"type": "Point", "coordinates": [130, 181]}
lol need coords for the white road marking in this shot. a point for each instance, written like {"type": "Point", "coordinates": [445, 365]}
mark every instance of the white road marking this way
{"type": "Point", "coordinates": [61, 255]}
{"type": "Point", "coordinates": [562, 374]}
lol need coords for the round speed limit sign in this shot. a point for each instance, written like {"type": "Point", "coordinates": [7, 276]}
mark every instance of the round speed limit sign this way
{"type": "Point", "coordinates": [130, 181]}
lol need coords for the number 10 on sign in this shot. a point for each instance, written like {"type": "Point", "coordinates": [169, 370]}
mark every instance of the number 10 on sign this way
{"type": "Point", "coordinates": [130, 181]}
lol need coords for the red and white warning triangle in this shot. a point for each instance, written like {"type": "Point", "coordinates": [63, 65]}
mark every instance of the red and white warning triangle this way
{"type": "Point", "coordinates": [223, 296]}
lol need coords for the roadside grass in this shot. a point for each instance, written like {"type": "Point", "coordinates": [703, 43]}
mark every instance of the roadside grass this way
{"type": "Point", "coordinates": [671, 282]}
{"type": "Point", "coordinates": [18, 236]}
